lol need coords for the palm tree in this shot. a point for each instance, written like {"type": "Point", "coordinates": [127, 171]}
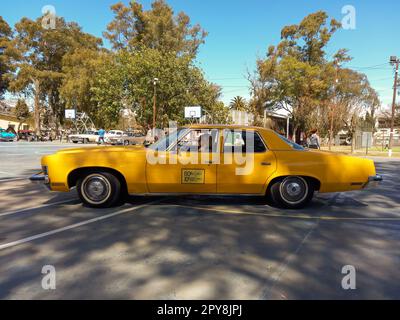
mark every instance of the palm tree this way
{"type": "Point", "coordinates": [238, 103]}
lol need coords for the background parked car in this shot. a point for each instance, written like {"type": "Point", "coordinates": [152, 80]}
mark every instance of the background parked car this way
{"type": "Point", "coordinates": [112, 134]}
{"type": "Point", "coordinates": [128, 138]}
{"type": "Point", "coordinates": [87, 137]}
{"type": "Point", "coordinates": [27, 135]}
{"type": "Point", "coordinates": [6, 136]}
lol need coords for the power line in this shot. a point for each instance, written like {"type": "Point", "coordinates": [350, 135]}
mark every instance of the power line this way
{"type": "Point", "coordinates": [374, 67]}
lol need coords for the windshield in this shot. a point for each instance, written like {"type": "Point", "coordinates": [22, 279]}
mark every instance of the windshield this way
{"type": "Point", "coordinates": [294, 145]}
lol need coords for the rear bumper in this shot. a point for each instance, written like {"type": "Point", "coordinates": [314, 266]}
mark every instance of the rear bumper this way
{"type": "Point", "coordinates": [373, 181]}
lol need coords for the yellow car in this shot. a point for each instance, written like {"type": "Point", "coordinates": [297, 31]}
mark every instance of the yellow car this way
{"type": "Point", "coordinates": [207, 160]}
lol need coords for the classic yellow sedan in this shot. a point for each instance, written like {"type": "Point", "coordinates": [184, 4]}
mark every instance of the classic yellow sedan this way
{"type": "Point", "coordinates": [207, 160]}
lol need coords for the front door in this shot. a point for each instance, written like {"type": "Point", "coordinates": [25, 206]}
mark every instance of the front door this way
{"type": "Point", "coordinates": [246, 163]}
{"type": "Point", "coordinates": [187, 166]}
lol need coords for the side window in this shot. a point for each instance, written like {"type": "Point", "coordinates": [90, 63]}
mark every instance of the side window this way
{"type": "Point", "coordinates": [202, 140]}
{"type": "Point", "coordinates": [243, 141]}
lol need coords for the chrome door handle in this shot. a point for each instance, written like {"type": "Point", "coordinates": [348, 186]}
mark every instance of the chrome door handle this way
{"type": "Point", "coordinates": [266, 163]}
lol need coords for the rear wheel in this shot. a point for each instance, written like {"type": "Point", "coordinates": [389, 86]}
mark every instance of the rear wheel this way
{"type": "Point", "coordinates": [292, 192]}
{"type": "Point", "coordinates": [99, 189]}
{"type": "Point", "coordinates": [126, 143]}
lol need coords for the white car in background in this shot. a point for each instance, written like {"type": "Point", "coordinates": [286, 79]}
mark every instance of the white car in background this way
{"type": "Point", "coordinates": [87, 137]}
{"type": "Point", "coordinates": [112, 134]}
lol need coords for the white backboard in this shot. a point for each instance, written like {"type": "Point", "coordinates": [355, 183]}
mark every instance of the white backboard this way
{"type": "Point", "coordinates": [193, 112]}
{"type": "Point", "coordinates": [70, 114]}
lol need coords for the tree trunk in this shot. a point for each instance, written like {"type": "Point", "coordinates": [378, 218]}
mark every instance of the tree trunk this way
{"type": "Point", "coordinates": [19, 127]}
{"type": "Point", "coordinates": [331, 131]}
{"type": "Point", "coordinates": [36, 84]}
{"type": "Point", "coordinates": [353, 143]}
{"type": "Point", "coordinates": [294, 138]}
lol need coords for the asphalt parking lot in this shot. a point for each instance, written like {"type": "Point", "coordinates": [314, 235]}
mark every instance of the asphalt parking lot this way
{"type": "Point", "coordinates": [194, 247]}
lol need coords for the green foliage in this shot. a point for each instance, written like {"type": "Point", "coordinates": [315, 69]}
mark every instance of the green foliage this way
{"type": "Point", "coordinates": [238, 103]}
{"type": "Point", "coordinates": [21, 110]}
{"type": "Point", "coordinates": [6, 54]}
{"type": "Point", "coordinates": [80, 69]}
{"type": "Point", "coordinates": [40, 60]}
{"type": "Point", "coordinates": [127, 82]}
{"type": "Point", "coordinates": [297, 76]}
{"type": "Point", "coordinates": [218, 114]}
{"type": "Point", "coordinates": [157, 28]}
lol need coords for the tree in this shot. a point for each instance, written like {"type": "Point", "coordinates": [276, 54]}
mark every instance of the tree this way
{"type": "Point", "coordinates": [157, 28]}
{"type": "Point", "coordinates": [126, 82]}
{"type": "Point", "coordinates": [21, 112]}
{"type": "Point", "coordinates": [80, 68]}
{"type": "Point", "coordinates": [238, 103]}
{"type": "Point", "coordinates": [6, 54]}
{"type": "Point", "coordinates": [40, 64]}
{"type": "Point", "coordinates": [293, 75]}
{"type": "Point", "coordinates": [218, 114]}
{"type": "Point", "coordinates": [355, 96]}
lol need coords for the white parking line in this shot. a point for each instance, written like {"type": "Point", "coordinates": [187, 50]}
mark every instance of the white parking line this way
{"type": "Point", "coordinates": [12, 179]}
{"type": "Point", "coordinates": [72, 226]}
{"type": "Point", "coordinates": [34, 208]}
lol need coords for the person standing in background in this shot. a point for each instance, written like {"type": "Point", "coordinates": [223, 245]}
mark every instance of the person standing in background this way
{"type": "Point", "coordinates": [102, 133]}
{"type": "Point", "coordinates": [314, 140]}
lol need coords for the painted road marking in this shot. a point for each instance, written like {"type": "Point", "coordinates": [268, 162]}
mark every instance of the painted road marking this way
{"type": "Point", "coordinates": [12, 179]}
{"type": "Point", "coordinates": [291, 216]}
{"type": "Point", "coordinates": [35, 208]}
{"type": "Point", "coordinates": [73, 226]}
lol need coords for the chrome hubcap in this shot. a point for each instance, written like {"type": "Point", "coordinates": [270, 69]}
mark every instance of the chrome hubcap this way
{"type": "Point", "coordinates": [294, 189]}
{"type": "Point", "coordinates": [96, 188]}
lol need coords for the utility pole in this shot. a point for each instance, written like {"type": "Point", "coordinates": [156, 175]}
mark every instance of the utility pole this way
{"type": "Point", "coordinates": [332, 106]}
{"type": "Point", "coordinates": [155, 80]}
{"type": "Point", "coordinates": [393, 61]}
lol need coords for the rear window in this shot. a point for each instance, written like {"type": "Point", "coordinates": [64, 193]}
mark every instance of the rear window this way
{"type": "Point", "coordinates": [294, 145]}
{"type": "Point", "coordinates": [243, 141]}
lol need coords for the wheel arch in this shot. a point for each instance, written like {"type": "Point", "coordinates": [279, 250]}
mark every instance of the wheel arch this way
{"type": "Point", "coordinates": [74, 175]}
{"type": "Point", "coordinates": [315, 182]}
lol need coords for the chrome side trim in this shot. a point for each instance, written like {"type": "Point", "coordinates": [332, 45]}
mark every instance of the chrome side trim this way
{"type": "Point", "coordinates": [199, 194]}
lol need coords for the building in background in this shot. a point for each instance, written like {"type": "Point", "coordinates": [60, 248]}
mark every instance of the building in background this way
{"type": "Point", "coordinates": [8, 121]}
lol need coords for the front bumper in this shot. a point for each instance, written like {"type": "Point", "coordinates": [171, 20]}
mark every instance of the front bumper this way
{"type": "Point", "coordinates": [41, 177]}
{"type": "Point", "coordinates": [373, 181]}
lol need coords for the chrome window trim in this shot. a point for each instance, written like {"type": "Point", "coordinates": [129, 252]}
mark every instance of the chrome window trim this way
{"type": "Point", "coordinates": [188, 130]}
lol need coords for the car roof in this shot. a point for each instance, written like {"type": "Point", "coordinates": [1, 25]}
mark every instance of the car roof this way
{"type": "Point", "coordinates": [225, 126]}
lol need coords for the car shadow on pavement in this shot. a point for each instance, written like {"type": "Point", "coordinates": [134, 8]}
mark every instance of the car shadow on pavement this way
{"type": "Point", "coordinates": [167, 251]}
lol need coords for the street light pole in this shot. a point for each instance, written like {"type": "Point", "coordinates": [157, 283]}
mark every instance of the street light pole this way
{"type": "Point", "coordinates": [155, 80]}
{"type": "Point", "coordinates": [395, 61]}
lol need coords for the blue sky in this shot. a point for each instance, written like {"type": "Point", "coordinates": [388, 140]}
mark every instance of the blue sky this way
{"type": "Point", "coordinates": [240, 31]}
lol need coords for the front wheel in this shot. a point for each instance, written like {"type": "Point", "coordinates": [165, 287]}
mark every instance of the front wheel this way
{"type": "Point", "coordinates": [99, 190]}
{"type": "Point", "coordinates": [292, 192]}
